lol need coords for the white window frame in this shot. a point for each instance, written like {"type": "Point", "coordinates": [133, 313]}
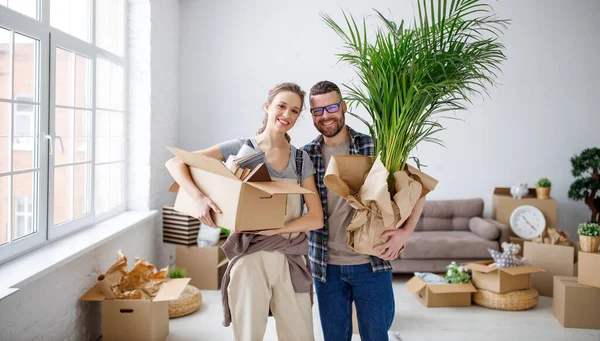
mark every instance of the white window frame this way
{"type": "Point", "coordinates": [50, 38]}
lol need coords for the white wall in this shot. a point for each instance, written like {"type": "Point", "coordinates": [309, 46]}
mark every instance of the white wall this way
{"type": "Point", "coordinates": [544, 112]}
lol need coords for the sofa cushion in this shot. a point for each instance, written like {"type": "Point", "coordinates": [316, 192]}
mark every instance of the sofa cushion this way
{"type": "Point", "coordinates": [484, 228]}
{"type": "Point", "coordinates": [449, 245]}
{"type": "Point", "coordinates": [449, 215]}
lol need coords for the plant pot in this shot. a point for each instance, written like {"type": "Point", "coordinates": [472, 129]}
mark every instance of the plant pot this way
{"type": "Point", "coordinates": [589, 244]}
{"type": "Point", "coordinates": [542, 192]}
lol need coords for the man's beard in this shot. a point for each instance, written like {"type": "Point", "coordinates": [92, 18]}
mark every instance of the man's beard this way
{"type": "Point", "coordinates": [332, 130]}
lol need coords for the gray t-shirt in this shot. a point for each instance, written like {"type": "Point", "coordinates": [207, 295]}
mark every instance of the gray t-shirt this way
{"type": "Point", "coordinates": [339, 215]}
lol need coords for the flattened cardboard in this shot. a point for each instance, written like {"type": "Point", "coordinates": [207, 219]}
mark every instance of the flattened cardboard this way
{"type": "Point", "coordinates": [589, 269]}
{"type": "Point", "coordinates": [504, 204]}
{"type": "Point", "coordinates": [575, 305]}
{"type": "Point", "coordinates": [245, 205]}
{"type": "Point", "coordinates": [501, 280]}
{"type": "Point", "coordinates": [557, 260]}
{"type": "Point", "coordinates": [204, 265]}
{"type": "Point", "coordinates": [440, 295]}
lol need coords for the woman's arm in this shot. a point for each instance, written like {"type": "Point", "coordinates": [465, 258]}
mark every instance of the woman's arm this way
{"type": "Point", "coordinates": [312, 220]}
{"type": "Point", "coordinates": [181, 173]}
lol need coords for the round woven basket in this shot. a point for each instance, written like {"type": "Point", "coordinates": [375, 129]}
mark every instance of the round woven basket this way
{"type": "Point", "coordinates": [188, 302]}
{"type": "Point", "coordinates": [513, 301]}
{"type": "Point", "coordinates": [589, 244]}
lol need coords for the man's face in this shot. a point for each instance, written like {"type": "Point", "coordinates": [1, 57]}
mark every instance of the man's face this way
{"type": "Point", "coordinates": [329, 123]}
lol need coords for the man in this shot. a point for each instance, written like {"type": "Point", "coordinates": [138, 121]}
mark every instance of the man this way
{"type": "Point", "coordinates": [343, 276]}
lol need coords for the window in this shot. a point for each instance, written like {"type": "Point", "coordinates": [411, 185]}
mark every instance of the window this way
{"type": "Point", "coordinates": [62, 114]}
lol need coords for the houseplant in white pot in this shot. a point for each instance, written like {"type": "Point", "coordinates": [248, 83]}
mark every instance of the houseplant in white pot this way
{"type": "Point", "coordinates": [407, 78]}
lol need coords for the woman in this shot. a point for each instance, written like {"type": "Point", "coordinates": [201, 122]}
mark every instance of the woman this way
{"type": "Point", "coordinates": [268, 272]}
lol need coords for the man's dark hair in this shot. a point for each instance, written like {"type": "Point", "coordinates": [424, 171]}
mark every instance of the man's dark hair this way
{"type": "Point", "coordinates": [324, 87]}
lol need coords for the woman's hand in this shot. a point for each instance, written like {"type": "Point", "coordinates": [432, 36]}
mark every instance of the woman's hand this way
{"type": "Point", "coordinates": [206, 204]}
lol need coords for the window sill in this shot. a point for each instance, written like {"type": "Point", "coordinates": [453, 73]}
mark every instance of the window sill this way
{"type": "Point", "coordinates": [34, 265]}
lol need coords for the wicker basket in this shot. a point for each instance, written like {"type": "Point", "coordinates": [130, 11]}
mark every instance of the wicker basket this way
{"type": "Point", "coordinates": [188, 302]}
{"type": "Point", "coordinates": [513, 301]}
{"type": "Point", "coordinates": [589, 244]}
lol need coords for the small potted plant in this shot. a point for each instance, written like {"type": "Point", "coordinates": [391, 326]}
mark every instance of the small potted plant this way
{"type": "Point", "coordinates": [543, 188]}
{"type": "Point", "coordinates": [589, 236]}
{"type": "Point", "coordinates": [457, 274]}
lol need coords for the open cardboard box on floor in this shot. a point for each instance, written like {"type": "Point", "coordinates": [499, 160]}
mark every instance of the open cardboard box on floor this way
{"type": "Point", "coordinates": [441, 295]}
{"type": "Point", "coordinates": [255, 202]}
{"type": "Point", "coordinates": [589, 269]}
{"type": "Point", "coordinates": [504, 205]}
{"type": "Point", "coordinates": [556, 260]}
{"type": "Point", "coordinates": [137, 320]}
{"type": "Point", "coordinates": [501, 280]}
{"type": "Point", "coordinates": [575, 305]}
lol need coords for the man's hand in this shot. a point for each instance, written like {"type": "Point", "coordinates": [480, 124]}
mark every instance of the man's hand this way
{"type": "Point", "coordinates": [205, 206]}
{"type": "Point", "coordinates": [390, 250]}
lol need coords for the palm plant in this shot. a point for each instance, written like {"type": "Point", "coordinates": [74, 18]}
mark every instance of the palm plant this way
{"type": "Point", "coordinates": [408, 76]}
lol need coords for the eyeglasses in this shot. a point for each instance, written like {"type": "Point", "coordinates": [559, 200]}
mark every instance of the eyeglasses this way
{"type": "Point", "coordinates": [321, 110]}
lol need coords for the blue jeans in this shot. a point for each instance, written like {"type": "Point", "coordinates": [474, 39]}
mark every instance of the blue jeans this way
{"type": "Point", "coordinates": [372, 294]}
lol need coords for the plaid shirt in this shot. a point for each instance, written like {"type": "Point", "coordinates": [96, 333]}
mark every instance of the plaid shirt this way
{"type": "Point", "coordinates": [360, 144]}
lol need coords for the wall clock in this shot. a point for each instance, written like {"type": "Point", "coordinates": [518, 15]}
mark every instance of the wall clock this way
{"type": "Point", "coordinates": [527, 222]}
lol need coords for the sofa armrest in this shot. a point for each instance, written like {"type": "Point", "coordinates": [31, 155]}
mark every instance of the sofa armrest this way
{"type": "Point", "coordinates": [504, 232]}
{"type": "Point", "coordinates": [484, 228]}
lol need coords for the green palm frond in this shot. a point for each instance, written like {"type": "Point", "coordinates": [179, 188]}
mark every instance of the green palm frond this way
{"type": "Point", "coordinates": [408, 76]}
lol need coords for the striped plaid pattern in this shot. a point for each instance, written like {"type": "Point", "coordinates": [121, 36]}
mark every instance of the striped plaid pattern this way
{"type": "Point", "coordinates": [360, 144]}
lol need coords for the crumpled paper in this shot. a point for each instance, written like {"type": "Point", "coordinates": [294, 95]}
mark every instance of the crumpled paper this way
{"type": "Point", "coordinates": [142, 282]}
{"type": "Point", "coordinates": [363, 183]}
{"type": "Point", "coordinates": [555, 237]}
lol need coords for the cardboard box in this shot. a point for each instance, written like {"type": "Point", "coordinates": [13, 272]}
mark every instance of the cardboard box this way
{"type": "Point", "coordinates": [504, 204]}
{"type": "Point", "coordinates": [204, 265]}
{"type": "Point", "coordinates": [246, 205]}
{"type": "Point", "coordinates": [441, 295]}
{"type": "Point", "coordinates": [179, 228]}
{"type": "Point", "coordinates": [501, 280]}
{"type": "Point", "coordinates": [575, 305]}
{"type": "Point", "coordinates": [557, 260]}
{"type": "Point", "coordinates": [589, 269]}
{"type": "Point", "coordinates": [135, 320]}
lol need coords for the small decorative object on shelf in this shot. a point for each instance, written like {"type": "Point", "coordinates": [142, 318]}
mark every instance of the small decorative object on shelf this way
{"type": "Point", "coordinates": [543, 187]}
{"type": "Point", "coordinates": [457, 274]}
{"type": "Point", "coordinates": [589, 236]}
{"type": "Point", "coordinates": [518, 191]}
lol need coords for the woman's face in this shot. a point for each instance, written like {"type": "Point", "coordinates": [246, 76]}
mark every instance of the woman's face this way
{"type": "Point", "coordinates": [283, 111]}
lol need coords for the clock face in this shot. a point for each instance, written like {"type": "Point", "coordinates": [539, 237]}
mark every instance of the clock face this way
{"type": "Point", "coordinates": [527, 222]}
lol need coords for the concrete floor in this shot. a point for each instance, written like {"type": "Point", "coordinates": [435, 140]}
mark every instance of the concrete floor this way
{"type": "Point", "coordinates": [413, 322]}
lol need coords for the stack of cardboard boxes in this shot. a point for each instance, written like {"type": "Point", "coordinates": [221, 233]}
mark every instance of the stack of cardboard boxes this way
{"type": "Point", "coordinates": [576, 301]}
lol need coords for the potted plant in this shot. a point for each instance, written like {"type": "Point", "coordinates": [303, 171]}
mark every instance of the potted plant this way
{"type": "Point", "coordinates": [589, 236]}
{"type": "Point", "coordinates": [407, 78]}
{"type": "Point", "coordinates": [586, 187]}
{"type": "Point", "coordinates": [457, 274]}
{"type": "Point", "coordinates": [543, 188]}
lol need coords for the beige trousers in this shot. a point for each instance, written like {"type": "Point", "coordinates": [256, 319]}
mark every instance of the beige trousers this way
{"type": "Point", "coordinates": [261, 281]}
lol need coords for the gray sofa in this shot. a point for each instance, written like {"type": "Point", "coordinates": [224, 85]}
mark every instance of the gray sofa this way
{"type": "Point", "coordinates": [450, 230]}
